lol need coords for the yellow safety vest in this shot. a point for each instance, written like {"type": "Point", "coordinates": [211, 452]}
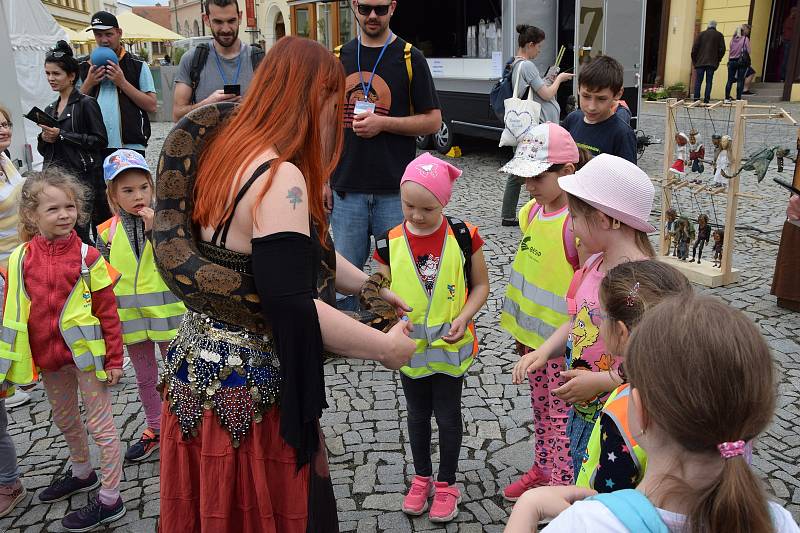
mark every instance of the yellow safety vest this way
{"type": "Point", "coordinates": [535, 304]}
{"type": "Point", "coordinates": [616, 408]}
{"type": "Point", "coordinates": [146, 307]}
{"type": "Point", "coordinates": [79, 327]}
{"type": "Point", "coordinates": [431, 315]}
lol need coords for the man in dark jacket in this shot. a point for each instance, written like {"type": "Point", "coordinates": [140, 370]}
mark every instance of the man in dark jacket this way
{"type": "Point", "coordinates": [707, 52]}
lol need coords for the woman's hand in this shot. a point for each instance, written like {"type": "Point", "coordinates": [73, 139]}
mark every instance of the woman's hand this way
{"type": "Point", "coordinates": [147, 215]}
{"type": "Point", "coordinates": [529, 362]}
{"type": "Point", "coordinates": [793, 211]}
{"type": "Point", "coordinates": [395, 301]}
{"type": "Point", "coordinates": [114, 375]}
{"type": "Point", "coordinates": [543, 502]}
{"type": "Point", "coordinates": [400, 348]}
{"type": "Point", "coordinates": [457, 328]}
{"type": "Point", "coordinates": [49, 135]}
{"type": "Point", "coordinates": [582, 386]}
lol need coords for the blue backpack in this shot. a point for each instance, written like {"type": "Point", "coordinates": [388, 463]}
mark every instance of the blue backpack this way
{"type": "Point", "coordinates": [634, 510]}
{"type": "Point", "coordinates": [502, 90]}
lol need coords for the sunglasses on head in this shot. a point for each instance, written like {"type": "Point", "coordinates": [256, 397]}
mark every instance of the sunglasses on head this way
{"type": "Point", "coordinates": [380, 10]}
{"type": "Point", "coordinates": [56, 54]}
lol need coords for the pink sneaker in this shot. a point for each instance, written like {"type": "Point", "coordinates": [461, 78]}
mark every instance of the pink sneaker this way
{"type": "Point", "coordinates": [531, 479]}
{"type": "Point", "coordinates": [10, 496]}
{"type": "Point", "coordinates": [416, 501]}
{"type": "Point", "coordinates": [445, 502]}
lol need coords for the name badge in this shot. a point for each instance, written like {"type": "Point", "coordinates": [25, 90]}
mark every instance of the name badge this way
{"type": "Point", "coordinates": [363, 107]}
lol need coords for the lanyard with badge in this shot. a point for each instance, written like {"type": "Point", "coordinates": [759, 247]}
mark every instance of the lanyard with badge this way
{"type": "Point", "coordinates": [365, 106]}
{"type": "Point", "coordinates": [238, 66]}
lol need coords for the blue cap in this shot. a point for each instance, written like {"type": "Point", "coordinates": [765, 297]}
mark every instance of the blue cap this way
{"type": "Point", "coordinates": [123, 160]}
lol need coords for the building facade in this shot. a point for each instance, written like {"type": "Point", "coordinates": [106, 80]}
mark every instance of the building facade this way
{"type": "Point", "coordinates": [186, 18]}
{"type": "Point", "coordinates": [75, 15]}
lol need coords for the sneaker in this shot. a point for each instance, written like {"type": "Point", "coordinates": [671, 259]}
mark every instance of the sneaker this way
{"type": "Point", "coordinates": [10, 496]}
{"type": "Point", "coordinates": [529, 480]}
{"type": "Point", "coordinates": [18, 398]}
{"type": "Point", "coordinates": [147, 444]}
{"type": "Point", "coordinates": [67, 485]}
{"type": "Point", "coordinates": [445, 502]}
{"type": "Point", "coordinates": [92, 515]}
{"type": "Point", "coordinates": [416, 501]}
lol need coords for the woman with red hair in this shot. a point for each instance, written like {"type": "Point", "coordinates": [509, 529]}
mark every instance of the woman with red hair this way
{"type": "Point", "coordinates": [241, 448]}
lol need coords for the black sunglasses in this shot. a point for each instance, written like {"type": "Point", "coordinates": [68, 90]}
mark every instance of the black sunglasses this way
{"type": "Point", "coordinates": [380, 10]}
{"type": "Point", "coordinates": [56, 54]}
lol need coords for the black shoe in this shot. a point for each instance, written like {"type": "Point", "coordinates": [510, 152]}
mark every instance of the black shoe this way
{"type": "Point", "coordinates": [92, 515]}
{"type": "Point", "coordinates": [67, 485]}
{"type": "Point", "coordinates": [748, 93]}
{"type": "Point", "coordinates": [510, 222]}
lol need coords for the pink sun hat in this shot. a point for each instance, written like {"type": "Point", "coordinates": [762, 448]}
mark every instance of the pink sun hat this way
{"type": "Point", "coordinates": [545, 145]}
{"type": "Point", "coordinates": [434, 174]}
{"type": "Point", "coordinates": [616, 187]}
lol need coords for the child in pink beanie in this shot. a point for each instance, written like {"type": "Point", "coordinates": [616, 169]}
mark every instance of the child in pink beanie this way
{"type": "Point", "coordinates": [436, 265]}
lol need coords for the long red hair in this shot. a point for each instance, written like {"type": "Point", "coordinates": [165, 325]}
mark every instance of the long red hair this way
{"type": "Point", "coordinates": [284, 107]}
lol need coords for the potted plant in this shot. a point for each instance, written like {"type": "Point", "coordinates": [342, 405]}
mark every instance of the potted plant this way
{"type": "Point", "coordinates": [677, 90]}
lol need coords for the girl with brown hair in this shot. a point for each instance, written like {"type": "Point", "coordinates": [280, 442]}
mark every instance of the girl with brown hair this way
{"type": "Point", "coordinates": [702, 384]}
{"type": "Point", "coordinates": [241, 448]}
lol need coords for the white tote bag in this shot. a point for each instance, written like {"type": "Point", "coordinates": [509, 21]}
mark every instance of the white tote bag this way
{"type": "Point", "coordinates": [520, 115]}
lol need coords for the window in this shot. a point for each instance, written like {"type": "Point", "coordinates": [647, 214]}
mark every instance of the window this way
{"type": "Point", "coordinates": [195, 29]}
{"type": "Point", "coordinates": [324, 25]}
{"type": "Point", "coordinates": [346, 25]}
{"type": "Point", "coordinates": [302, 21]}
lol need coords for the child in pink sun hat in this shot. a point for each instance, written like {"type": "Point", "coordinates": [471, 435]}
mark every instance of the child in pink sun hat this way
{"type": "Point", "coordinates": [610, 200]}
{"type": "Point", "coordinates": [534, 306]}
{"type": "Point", "coordinates": [436, 266]}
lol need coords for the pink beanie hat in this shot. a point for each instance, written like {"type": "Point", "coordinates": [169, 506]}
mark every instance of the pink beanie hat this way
{"type": "Point", "coordinates": [434, 174]}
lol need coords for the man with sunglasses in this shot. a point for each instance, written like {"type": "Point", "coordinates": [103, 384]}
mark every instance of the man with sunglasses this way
{"type": "Point", "coordinates": [390, 99]}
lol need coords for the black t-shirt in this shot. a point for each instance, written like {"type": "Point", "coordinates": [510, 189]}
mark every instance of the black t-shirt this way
{"type": "Point", "coordinates": [612, 136]}
{"type": "Point", "coordinates": [375, 165]}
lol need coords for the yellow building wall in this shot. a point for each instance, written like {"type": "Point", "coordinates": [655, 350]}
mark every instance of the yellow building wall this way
{"type": "Point", "coordinates": [678, 64]}
{"type": "Point", "coordinates": [729, 14]}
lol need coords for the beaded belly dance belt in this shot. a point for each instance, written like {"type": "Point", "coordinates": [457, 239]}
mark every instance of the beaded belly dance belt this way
{"type": "Point", "coordinates": [215, 366]}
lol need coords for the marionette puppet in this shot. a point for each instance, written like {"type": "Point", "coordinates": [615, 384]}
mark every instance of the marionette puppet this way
{"type": "Point", "coordinates": [683, 235]}
{"type": "Point", "coordinates": [719, 242]}
{"type": "Point", "coordinates": [681, 155]}
{"type": "Point", "coordinates": [697, 152]}
{"type": "Point", "coordinates": [703, 236]}
{"type": "Point", "coordinates": [669, 229]}
{"type": "Point", "coordinates": [722, 171]}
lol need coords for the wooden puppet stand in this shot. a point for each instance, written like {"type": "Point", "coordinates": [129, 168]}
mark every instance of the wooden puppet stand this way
{"type": "Point", "coordinates": [705, 273]}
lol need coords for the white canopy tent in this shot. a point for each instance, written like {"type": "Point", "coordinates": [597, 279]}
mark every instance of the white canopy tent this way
{"type": "Point", "coordinates": [27, 31]}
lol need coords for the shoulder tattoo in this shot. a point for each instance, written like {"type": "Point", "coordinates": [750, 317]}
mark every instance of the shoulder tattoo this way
{"type": "Point", "coordinates": [295, 196]}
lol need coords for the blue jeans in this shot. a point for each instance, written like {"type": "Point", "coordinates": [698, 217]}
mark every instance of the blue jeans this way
{"type": "Point", "coordinates": [698, 80]}
{"type": "Point", "coordinates": [357, 216]}
{"type": "Point", "coordinates": [737, 73]}
{"type": "Point", "coordinates": [579, 430]}
{"type": "Point", "coordinates": [9, 473]}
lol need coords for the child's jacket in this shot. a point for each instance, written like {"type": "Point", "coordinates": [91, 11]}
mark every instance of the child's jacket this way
{"type": "Point", "coordinates": [431, 315]}
{"type": "Point", "coordinates": [55, 314]}
{"type": "Point", "coordinates": [147, 308]}
{"type": "Point", "coordinates": [534, 306]}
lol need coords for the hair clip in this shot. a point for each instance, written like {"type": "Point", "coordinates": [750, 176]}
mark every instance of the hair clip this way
{"type": "Point", "coordinates": [630, 300]}
{"type": "Point", "coordinates": [731, 449]}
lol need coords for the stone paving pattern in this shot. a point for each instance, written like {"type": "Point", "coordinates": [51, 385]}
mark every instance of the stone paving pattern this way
{"type": "Point", "coordinates": [365, 425]}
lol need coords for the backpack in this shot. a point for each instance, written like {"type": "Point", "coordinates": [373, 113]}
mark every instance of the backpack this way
{"type": "Point", "coordinates": [463, 237]}
{"type": "Point", "coordinates": [199, 63]}
{"type": "Point", "coordinates": [634, 510]}
{"type": "Point", "coordinates": [503, 89]}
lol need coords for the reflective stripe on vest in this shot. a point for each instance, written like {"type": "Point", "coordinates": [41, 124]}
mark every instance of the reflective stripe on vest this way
{"type": "Point", "coordinates": [146, 307]}
{"type": "Point", "coordinates": [79, 328]}
{"type": "Point", "coordinates": [616, 408]}
{"type": "Point", "coordinates": [432, 315]}
{"type": "Point", "coordinates": [534, 305]}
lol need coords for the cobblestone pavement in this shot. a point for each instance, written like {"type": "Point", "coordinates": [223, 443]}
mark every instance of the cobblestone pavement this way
{"type": "Point", "coordinates": [365, 425]}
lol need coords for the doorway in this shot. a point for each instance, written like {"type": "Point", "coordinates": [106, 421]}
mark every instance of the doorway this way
{"type": "Point", "coordinates": [781, 28]}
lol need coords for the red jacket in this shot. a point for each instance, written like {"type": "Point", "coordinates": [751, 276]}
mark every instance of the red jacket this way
{"type": "Point", "coordinates": [50, 270]}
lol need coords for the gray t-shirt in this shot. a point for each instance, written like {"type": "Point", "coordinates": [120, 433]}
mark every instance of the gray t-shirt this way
{"type": "Point", "coordinates": [210, 78]}
{"type": "Point", "coordinates": [530, 77]}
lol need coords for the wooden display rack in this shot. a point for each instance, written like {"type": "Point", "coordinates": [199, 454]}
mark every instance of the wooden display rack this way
{"type": "Point", "coordinates": [705, 273]}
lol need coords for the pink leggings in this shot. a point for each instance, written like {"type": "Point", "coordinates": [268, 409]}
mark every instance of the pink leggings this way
{"type": "Point", "coordinates": [143, 357]}
{"type": "Point", "coordinates": [551, 450]}
{"type": "Point", "coordinates": [62, 392]}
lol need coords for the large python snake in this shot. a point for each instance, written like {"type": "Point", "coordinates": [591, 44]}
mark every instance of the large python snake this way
{"type": "Point", "coordinates": [205, 286]}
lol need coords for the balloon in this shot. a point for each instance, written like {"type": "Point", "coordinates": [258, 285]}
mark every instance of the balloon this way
{"type": "Point", "coordinates": [102, 54]}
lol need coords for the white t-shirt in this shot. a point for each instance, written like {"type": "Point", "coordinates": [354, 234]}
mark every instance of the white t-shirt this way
{"type": "Point", "coordinates": [594, 517]}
